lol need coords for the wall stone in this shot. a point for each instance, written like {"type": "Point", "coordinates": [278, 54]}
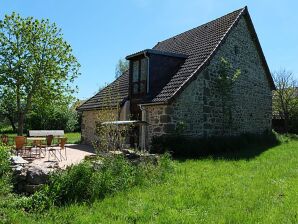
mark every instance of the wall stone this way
{"type": "Point", "coordinates": [199, 105]}
{"type": "Point", "coordinates": [89, 121]}
{"type": "Point", "coordinates": [88, 127]}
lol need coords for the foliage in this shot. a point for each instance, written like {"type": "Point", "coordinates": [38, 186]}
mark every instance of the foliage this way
{"type": "Point", "coordinates": [285, 99]}
{"type": "Point", "coordinates": [227, 76]}
{"type": "Point", "coordinates": [121, 67]}
{"type": "Point", "coordinates": [87, 182]}
{"type": "Point", "coordinates": [8, 106]}
{"type": "Point", "coordinates": [34, 61]}
{"type": "Point", "coordinates": [55, 115]}
{"type": "Point", "coordinates": [5, 171]}
{"type": "Point", "coordinates": [180, 128]}
{"type": "Point", "coordinates": [194, 147]}
{"type": "Point", "coordinates": [110, 136]}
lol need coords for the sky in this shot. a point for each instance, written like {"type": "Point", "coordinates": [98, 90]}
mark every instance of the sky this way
{"type": "Point", "coordinates": [102, 32]}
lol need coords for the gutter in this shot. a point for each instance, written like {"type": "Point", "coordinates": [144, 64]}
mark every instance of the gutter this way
{"type": "Point", "coordinates": [148, 70]}
{"type": "Point", "coordinates": [152, 104]}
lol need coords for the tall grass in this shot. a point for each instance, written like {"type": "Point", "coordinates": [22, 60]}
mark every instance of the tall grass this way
{"type": "Point", "coordinates": [87, 182]}
{"type": "Point", "coordinates": [5, 171]}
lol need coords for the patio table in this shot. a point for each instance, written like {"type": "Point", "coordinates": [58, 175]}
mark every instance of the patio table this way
{"type": "Point", "coordinates": [36, 142]}
{"type": "Point", "coordinates": [37, 139]}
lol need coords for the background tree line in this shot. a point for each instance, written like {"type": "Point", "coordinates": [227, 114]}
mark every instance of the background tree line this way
{"type": "Point", "coordinates": [285, 102]}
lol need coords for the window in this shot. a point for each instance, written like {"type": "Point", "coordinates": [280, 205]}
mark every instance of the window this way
{"type": "Point", "coordinates": [139, 76]}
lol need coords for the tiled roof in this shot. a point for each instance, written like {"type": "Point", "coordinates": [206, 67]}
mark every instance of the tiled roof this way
{"type": "Point", "coordinates": [109, 96]}
{"type": "Point", "coordinates": [199, 44]}
{"type": "Point", "coordinates": [152, 51]}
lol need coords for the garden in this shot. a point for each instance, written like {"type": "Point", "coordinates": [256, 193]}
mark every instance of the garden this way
{"type": "Point", "coordinates": [257, 183]}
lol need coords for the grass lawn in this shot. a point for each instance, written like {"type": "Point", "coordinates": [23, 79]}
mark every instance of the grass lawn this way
{"type": "Point", "coordinates": [258, 186]}
{"type": "Point", "coordinates": [72, 138]}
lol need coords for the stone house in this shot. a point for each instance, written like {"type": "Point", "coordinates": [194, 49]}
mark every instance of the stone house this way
{"type": "Point", "coordinates": [174, 83]}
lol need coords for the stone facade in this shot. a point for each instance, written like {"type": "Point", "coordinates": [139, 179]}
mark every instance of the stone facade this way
{"type": "Point", "coordinates": [199, 104]}
{"type": "Point", "coordinates": [89, 122]}
{"type": "Point", "coordinates": [88, 127]}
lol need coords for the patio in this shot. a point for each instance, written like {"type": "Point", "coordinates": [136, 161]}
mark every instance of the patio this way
{"type": "Point", "coordinates": [75, 154]}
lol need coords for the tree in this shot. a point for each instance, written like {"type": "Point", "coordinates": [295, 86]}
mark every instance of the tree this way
{"type": "Point", "coordinates": [8, 107]}
{"type": "Point", "coordinates": [121, 67]}
{"type": "Point", "coordinates": [35, 62]}
{"type": "Point", "coordinates": [57, 114]}
{"type": "Point", "coordinates": [285, 97]}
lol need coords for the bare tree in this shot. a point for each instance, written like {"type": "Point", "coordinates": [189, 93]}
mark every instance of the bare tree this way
{"type": "Point", "coordinates": [285, 97]}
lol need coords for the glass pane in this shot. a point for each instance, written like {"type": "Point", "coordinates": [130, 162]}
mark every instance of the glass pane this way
{"type": "Point", "coordinates": [135, 88]}
{"type": "Point", "coordinates": [135, 71]}
{"type": "Point", "coordinates": [144, 69]}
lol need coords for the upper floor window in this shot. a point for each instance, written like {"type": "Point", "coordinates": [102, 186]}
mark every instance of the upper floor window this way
{"type": "Point", "coordinates": [139, 76]}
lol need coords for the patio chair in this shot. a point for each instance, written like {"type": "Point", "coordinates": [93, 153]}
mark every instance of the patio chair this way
{"type": "Point", "coordinates": [49, 140]}
{"type": "Point", "coordinates": [20, 145]}
{"type": "Point", "coordinates": [4, 139]}
{"type": "Point", "coordinates": [57, 150]}
{"type": "Point", "coordinates": [62, 147]}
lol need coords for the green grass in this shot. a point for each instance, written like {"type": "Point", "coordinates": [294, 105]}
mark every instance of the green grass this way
{"type": "Point", "coordinates": [259, 185]}
{"type": "Point", "coordinates": [72, 137]}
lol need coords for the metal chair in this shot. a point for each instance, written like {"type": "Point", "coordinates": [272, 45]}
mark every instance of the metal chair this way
{"type": "Point", "coordinates": [57, 151]}
{"type": "Point", "coordinates": [62, 147]}
{"type": "Point", "coordinates": [49, 140]}
{"type": "Point", "coordinates": [20, 145]}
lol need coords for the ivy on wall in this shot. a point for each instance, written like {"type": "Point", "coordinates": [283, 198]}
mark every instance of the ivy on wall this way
{"type": "Point", "coordinates": [227, 76]}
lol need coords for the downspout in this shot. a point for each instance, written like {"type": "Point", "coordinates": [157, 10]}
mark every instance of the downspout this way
{"type": "Point", "coordinates": [148, 74]}
{"type": "Point", "coordinates": [143, 129]}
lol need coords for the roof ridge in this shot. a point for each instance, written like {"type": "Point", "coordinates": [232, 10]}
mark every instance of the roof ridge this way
{"type": "Point", "coordinates": [241, 11]}
{"type": "Point", "coordinates": [174, 37]}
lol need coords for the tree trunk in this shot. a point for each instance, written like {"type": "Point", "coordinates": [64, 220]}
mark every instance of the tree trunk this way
{"type": "Point", "coordinates": [20, 124]}
{"type": "Point", "coordinates": [11, 120]}
{"type": "Point", "coordinates": [286, 123]}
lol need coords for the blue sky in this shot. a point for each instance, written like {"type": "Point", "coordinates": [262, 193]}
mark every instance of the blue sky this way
{"type": "Point", "coordinates": [102, 32]}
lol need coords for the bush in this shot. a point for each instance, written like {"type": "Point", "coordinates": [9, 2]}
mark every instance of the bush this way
{"type": "Point", "coordinates": [5, 171]}
{"type": "Point", "coordinates": [179, 145]}
{"type": "Point", "coordinates": [86, 183]}
{"type": "Point", "coordinates": [53, 118]}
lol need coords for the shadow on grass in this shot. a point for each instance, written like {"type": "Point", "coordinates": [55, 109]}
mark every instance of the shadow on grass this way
{"type": "Point", "coordinates": [246, 152]}
{"type": "Point", "coordinates": [246, 146]}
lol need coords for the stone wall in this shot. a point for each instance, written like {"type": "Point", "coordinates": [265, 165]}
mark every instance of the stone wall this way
{"type": "Point", "coordinates": [89, 122]}
{"type": "Point", "coordinates": [199, 105]}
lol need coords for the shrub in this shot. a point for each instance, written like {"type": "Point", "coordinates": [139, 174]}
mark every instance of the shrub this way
{"type": "Point", "coordinates": [5, 171]}
{"type": "Point", "coordinates": [53, 118]}
{"type": "Point", "coordinates": [86, 183]}
{"type": "Point", "coordinates": [179, 145]}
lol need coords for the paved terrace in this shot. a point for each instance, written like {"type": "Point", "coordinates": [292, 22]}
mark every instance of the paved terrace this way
{"type": "Point", "coordinates": [75, 154]}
